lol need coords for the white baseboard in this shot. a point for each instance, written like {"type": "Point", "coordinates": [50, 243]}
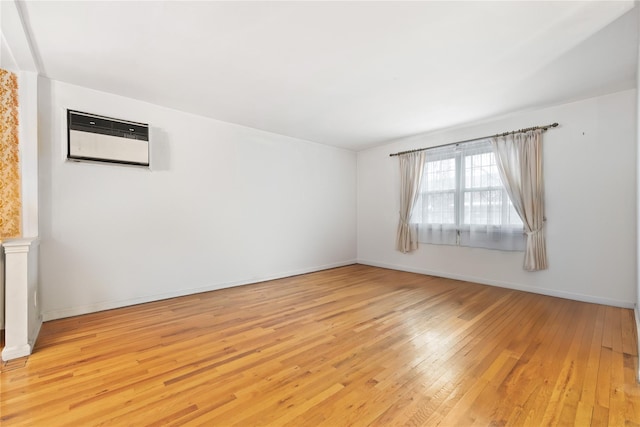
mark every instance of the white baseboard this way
{"type": "Point", "coordinates": [109, 305]}
{"type": "Point", "coordinates": [15, 352]}
{"type": "Point", "coordinates": [542, 291]}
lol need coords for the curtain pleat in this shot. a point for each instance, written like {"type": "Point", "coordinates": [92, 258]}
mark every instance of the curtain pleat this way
{"type": "Point", "coordinates": [411, 168]}
{"type": "Point", "coordinates": [519, 159]}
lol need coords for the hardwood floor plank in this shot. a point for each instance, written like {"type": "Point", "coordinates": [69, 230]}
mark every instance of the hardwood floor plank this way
{"type": "Point", "coordinates": [355, 346]}
{"type": "Point", "coordinates": [629, 334]}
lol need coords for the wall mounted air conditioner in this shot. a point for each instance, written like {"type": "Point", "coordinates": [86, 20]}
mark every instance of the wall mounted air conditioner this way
{"type": "Point", "coordinates": [104, 139]}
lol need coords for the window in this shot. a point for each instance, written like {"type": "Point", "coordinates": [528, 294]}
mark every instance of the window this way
{"type": "Point", "coordinates": [463, 202]}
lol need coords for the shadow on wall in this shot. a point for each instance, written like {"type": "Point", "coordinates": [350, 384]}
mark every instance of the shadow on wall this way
{"type": "Point", "coordinates": [160, 152]}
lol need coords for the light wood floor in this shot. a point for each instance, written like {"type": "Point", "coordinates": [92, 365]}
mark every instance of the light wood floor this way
{"type": "Point", "coordinates": [351, 346]}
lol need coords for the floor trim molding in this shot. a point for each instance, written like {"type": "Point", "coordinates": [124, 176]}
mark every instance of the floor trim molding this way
{"type": "Point", "coordinates": [109, 305]}
{"type": "Point", "coordinates": [535, 290]}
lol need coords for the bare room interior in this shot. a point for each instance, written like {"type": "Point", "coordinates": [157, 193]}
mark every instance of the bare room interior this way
{"type": "Point", "coordinates": [367, 213]}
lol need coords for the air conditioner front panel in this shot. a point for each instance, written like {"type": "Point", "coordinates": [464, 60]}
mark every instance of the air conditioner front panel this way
{"type": "Point", "coordinates": [85, 145]}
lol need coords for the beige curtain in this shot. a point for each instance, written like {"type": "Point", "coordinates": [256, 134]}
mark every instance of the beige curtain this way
{"type": "Point", "coordinates": [519, 159]}
{"type": "Point", "coordinates": [411, 167]}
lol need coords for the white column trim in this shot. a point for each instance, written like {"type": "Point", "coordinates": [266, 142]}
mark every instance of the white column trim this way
{"type": "Point", "coordinates": [19, 245]}
{"type": "Point", "coordinates": [22, 314]}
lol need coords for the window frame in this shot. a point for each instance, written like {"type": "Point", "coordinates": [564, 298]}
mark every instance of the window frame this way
{"type": "Point", "coordinates": [461, 155]}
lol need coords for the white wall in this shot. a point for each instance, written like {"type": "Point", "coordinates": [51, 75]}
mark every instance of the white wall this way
{"type": "Point", "coordinates": [590, 174]}
{"type": "Point", "coordinates": [28, 99]}
{"type": "Point", "coordinates": [222, 205]}
{"type": "Point", "coordinates": [637, 307]}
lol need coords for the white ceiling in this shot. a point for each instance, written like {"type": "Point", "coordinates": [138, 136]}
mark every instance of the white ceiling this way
{"type": "Point", "coordinates": [348, 74]}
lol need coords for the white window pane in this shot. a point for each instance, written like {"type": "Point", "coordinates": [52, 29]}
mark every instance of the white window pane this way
{"type": "Point", "coordinates": [440, 175]}
{"type": "Point", "coordinates": [439, 208]}
{"type": "Point", "coordinates": [484, 209]}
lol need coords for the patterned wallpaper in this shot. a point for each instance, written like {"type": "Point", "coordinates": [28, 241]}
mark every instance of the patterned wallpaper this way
{"type": "Point", "coordinates": [9, 161]}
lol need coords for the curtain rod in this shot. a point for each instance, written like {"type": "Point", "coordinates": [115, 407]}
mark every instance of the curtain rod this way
{"type": "Point", "coordinates": [478, 139]}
